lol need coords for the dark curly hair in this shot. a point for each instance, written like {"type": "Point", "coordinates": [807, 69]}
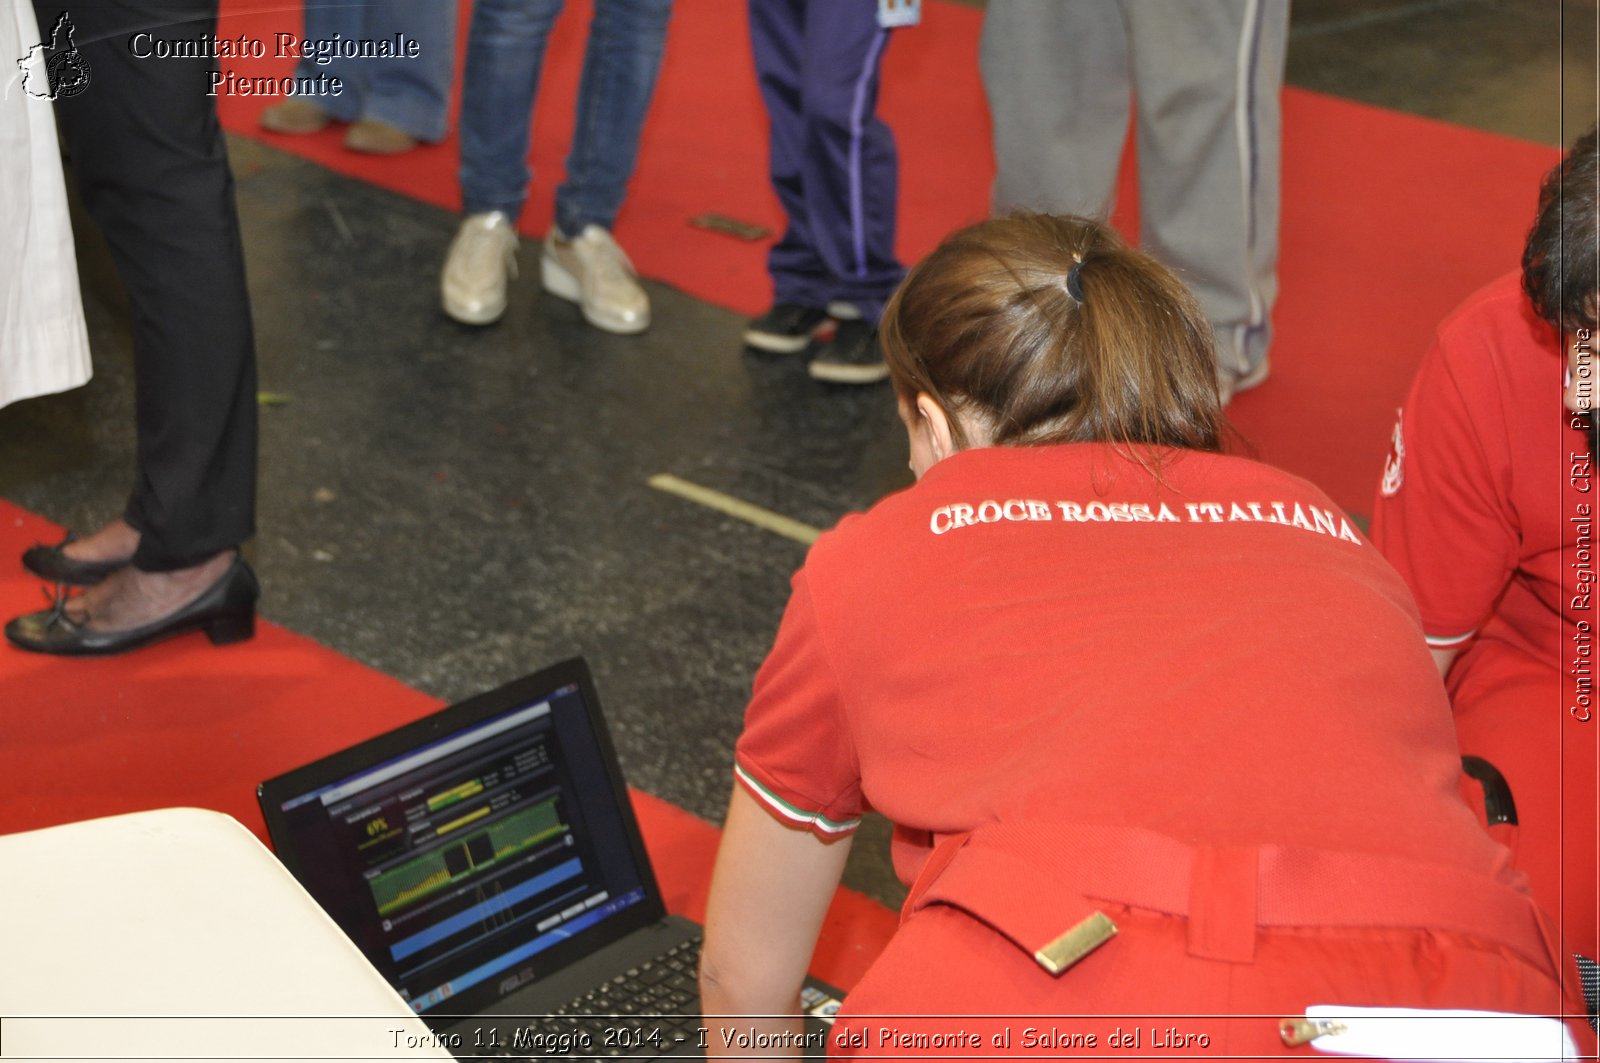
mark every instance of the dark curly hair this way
{"type": "Point", "coordinates": [1563, 249]}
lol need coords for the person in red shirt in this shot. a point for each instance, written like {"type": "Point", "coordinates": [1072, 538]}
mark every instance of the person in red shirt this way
{"type": "Point", "coordinates": [1156, 727]}
{"type": "Point", "coordinates": [1487, 508]}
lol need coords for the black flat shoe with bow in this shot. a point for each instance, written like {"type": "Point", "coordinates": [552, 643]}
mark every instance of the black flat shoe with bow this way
{"type": "Point", "coordinates": [225, 611]}
{"type": "Point", "coordinates": [54, 564]}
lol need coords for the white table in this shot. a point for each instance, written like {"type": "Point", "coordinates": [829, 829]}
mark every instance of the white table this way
{"type": "Point", "coordinates": [176, 935]}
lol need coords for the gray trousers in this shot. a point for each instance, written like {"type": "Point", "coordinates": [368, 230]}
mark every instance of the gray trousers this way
{"type": "Point", "coordinates": [1203, 79]}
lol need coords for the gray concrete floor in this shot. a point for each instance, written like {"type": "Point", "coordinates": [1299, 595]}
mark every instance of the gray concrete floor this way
{"type": "Point", "coordinates": [459, 506]}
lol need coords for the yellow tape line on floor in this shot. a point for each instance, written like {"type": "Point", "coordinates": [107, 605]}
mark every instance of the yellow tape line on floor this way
{"type": "Point", "coordinates": [735, 507]}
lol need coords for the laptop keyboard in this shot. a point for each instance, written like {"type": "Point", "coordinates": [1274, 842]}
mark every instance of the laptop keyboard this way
{"type": "Point", "coordinates": [650, 1010]}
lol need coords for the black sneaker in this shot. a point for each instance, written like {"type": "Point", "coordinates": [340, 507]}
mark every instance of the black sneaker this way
{"type": "Point", "coordinates": [851, 357]}
{"type": "Point", "coordinates": [786, 328]}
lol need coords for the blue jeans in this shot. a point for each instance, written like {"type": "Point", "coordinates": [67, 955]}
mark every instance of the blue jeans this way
{"type": "Point", "coordinates": [412, 94]}
{"type": "Point", "coordinates": [505, 51]}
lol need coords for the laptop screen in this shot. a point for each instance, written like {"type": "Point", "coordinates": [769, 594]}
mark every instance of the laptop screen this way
{"type": "Point", "coordinates": [476, 850]}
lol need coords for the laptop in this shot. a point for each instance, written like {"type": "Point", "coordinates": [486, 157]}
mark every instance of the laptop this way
{"type": "Point", "coordinates": [486, 859]}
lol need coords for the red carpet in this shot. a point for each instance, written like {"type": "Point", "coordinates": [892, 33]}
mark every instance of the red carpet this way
{"type": "Point", "coordinates": [1388, 220]}
{"type": "Point", "coordinates": [182, 724]}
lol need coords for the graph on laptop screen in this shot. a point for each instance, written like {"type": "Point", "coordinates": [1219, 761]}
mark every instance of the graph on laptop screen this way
{"type": "Point", "coordinates": [458, 865]}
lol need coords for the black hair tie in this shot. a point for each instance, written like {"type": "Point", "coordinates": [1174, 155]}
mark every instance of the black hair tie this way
{"type": "Point", "coordinates": [1074, 287]}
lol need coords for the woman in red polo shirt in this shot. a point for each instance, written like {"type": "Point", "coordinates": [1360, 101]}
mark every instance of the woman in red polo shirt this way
{"type": "Point", "coordinates": [1159, 736]}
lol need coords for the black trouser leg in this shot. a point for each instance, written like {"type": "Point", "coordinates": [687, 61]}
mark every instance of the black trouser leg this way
{"type": "Point", "coordinates": [152, 171]}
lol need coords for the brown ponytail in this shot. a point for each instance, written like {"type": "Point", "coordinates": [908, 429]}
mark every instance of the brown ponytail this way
{"type": "Point", "coordinates": [989, 326]}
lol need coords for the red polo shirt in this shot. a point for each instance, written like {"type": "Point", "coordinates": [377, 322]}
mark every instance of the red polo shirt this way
{"type": "Point", "coordinates": [1487, 509]}
{"type": "Point", "coordinates": [1049, 633]}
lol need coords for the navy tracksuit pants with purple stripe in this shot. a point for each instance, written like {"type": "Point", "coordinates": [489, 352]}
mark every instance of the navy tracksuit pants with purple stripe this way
{"type": "Point", "coordinates": [833, 160]}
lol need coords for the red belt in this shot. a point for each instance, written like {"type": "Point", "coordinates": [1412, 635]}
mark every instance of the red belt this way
{"type": "Point", "coordinates": [1037, 883]}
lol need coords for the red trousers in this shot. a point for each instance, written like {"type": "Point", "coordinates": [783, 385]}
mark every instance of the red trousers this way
{"type": "Point", "coordinates": [1210, 949]}
{"type": "Point", "coordinates": [947, 978]}
{"type": "Point", "coordinates": [1515, 712]}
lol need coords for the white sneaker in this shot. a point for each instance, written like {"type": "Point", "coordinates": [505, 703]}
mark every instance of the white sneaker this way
{"type": "Point", "coordinates": [482, 256]}
{"type": "Point", "coordinates": [1231, 382]}
{"type": "Point", "coordinates": [594, 272]}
